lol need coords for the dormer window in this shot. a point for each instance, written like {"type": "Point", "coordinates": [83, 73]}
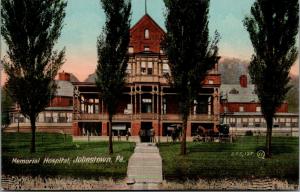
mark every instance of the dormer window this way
{"type": "Point", "coordinates": [146, 34]}
{"type": "Point", "coordinates": [234, 91]}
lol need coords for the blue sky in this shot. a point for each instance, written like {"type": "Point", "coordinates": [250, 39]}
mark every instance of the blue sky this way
{"type": "Point", "coordinates": [85, 19]}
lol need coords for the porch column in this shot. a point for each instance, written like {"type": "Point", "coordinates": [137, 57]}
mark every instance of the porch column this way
{"type": "Point", "coordinates": [152, 93]}
{"type": "Point", "coordinates": [157, 101]}
{"type": "Point", "coordinates": [140, 102]}
{"type": "Point", "coordinates": [135, 99]}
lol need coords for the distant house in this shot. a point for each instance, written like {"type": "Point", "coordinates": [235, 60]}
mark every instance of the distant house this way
{"type": "Point", "coordinates": [240, 108]}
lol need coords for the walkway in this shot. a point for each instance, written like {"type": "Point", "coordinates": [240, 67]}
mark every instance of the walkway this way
{"type": "Point", "coordinates": [144, 168]}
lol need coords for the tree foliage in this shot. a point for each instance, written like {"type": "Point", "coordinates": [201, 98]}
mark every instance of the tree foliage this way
{"type": "Point", "coordinates": [272, 27]}
{"type": "Point", "coordinates": [6, 104]}
{"type": "Point", "coordinates": [190, 51]}
{"type": "Point", "coordinates": [112, 48]}
{"type": "Point", "coordinates": [30, 29]}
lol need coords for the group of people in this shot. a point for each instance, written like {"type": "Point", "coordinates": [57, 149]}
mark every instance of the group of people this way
{"type": "Point", "coordinates": [146, 134]}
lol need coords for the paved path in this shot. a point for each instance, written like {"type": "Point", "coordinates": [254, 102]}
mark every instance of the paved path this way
{"type": "Point", "coordinates": [144, 170]}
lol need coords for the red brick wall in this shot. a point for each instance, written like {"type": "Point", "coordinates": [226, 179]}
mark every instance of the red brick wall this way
{"type": "Point", "coordinates": [75, 129]}
{"type": "Point", "coordinates": [61, 101]}
{"type": "Point", "coordinates": [137, 35]}
{"type": "Point", "coordinates": [104, 129]}
{"type": "Point", "coordinates": [249, 107]}
{"type": "Point", "coordinates": [135, 128]}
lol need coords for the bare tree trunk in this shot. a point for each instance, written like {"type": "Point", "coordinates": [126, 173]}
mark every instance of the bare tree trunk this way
{"type": "Point", "coordinates": [33, 128]}
{"type": "Point", "coordinates": [183, 142]}
{"type": "Point", "coordinates": [269, 136]}
{"type": "Point", "coordinates": [110, 145]}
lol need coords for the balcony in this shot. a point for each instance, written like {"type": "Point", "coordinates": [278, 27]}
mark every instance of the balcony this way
{"type": "Point", "coordinates": [144, 116]}
{"type": "Point", "coordinates": [146, 79]}
{"type": "Point", "coordinates": [93, 117]}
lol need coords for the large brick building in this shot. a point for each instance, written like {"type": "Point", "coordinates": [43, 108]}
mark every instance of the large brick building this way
{"type": "Point", "coordinates": [148, 101]}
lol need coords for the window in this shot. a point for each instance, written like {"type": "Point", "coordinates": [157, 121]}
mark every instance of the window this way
{"type": "Point", "coordinates": [161, 51]}
{"type": "Point", "coordinates": [128, 70]}
{"type": "Point", "coordinates": [146, 33]}
{"type": "Point", "coordinates": [146, 48]}
{"type": "Point", "coordinates": [146, 105]}
{"type": "Point", "coordinates": [143, 68]}
{"type": "Point", "coordinates": [62, 118]}
{"type": "Point", "coordinates": [258, 109]}
{"type": "Point", "coordinates": [166, 68]}
{"type": "Point", "coordinates": [234, 91]}
{"type": "Point", "coordinates": [69, 117]}
{"type": "Point", "coordinates": [55, 117]}
{"type": "Point", "coordinates": [48, 118]}
{"type": "Point", "coordinates": [210, 82]}
{"type": "Point", "coordinates": [164, 106]}
{"type": "Point", "coordinates": [232, 124]}
{"type": "Point", "coordinates": [257, 125]}
{"type": "Point", "coordinates": [225, 109]}
{"type": "Point", "coordinates": [150, 68]}
{"type": "Point", "coordinates": [130, 50]}
{"type": "Point", "coordinates": [241, 108]}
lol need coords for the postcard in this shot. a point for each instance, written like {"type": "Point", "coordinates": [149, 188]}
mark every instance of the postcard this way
{"type": "Point", "coordinates": [149, 95]}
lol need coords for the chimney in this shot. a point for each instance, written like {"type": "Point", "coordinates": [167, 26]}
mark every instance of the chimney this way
{"type": "Point", "coordinates": [64, 76]}
{"type": "Point", "coordinates": [243, 81]}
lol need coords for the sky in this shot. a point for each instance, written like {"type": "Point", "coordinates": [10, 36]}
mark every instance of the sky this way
{"type": "Point", "coordinates": [85, 19]}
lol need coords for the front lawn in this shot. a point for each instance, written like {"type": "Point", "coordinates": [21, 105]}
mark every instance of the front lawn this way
{"type": "Point", "coordinates": [231, 160]}
{"type": "Point", "coordinates": [57, 146]}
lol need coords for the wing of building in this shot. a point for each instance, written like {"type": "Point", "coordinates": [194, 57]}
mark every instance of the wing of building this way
{"type": "Point", "coordinates": [240, 108]}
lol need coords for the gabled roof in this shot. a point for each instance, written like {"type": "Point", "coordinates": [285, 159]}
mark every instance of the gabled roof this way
{"type": "Point", "coordinates": [236, 93]}
{"type": "Point", "coordinates": [146, 17]}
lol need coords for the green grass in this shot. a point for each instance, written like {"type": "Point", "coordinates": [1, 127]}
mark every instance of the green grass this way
{"type": "Point", "coordinates": [231, 160]}
{"type": "Point", "coordinates": [17, 145]}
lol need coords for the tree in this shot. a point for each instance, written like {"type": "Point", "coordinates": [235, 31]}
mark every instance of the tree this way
{"type": "Point", "coordinates": [30, 29]}
{"type": "Point", "coordinates": [6, 104]}
{"type": "Point", "coordinates": [112, 47]}
{"type": "Point", "coordinates": [190, 51]}
{"type": "Point", "coordinates": [272, 27]}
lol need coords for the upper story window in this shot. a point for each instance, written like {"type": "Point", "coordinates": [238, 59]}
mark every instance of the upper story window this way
{"type": "Point", "coordinates": [143, 68]}
{"type": "Point", "coordinates": [130, 50]}
{"type": "Point", "coordinates": [242, 109]}
{"type": "Point", "coordinates": [166, 68]}
{"type": "Point", "coordinates": [150, 68]}
{"type": "Point", "coordinates": [146, 48]}
{"type": "Point", "coordinates": [128, 70]}
{"type": "Point", "coordinates": [147, 36]}
{"type": "Point", "coordinates": [258, 109]}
